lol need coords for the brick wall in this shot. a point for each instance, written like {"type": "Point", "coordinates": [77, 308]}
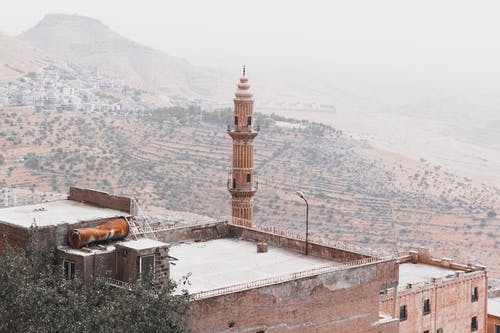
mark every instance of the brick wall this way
{"type": "Point", "coordinates": [492, 322]}
{"type": "Point", "coordinates": [451, 305]}
{"type": "Point", "coordinates": [341, 301]}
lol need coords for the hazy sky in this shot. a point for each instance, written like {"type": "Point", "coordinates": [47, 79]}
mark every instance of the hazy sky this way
{"type": "Point", "coordinates": [390, 43]}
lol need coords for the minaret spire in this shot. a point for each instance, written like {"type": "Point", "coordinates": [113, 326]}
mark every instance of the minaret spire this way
{"type": "Point", "coordinates": [242, 180]}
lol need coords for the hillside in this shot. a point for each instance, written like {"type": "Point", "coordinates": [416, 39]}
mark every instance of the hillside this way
{"type": "Point", "coordinates": [17, 58]}
{"type": "Point", "coordinates": [178, 158]}
{"type": "Point", "coordinates": [87, 42]}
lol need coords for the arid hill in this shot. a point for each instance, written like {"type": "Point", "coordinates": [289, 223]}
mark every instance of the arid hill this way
{"type": "Point", "coordinates": [178, 159]}
{"type": "Point", "coordinates": [18, 58]}
{"type": "Point", "coordinates": [87, 42]}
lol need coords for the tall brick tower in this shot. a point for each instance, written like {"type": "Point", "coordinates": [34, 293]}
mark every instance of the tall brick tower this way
{"type": "Point", "coordinates": [242, 182]}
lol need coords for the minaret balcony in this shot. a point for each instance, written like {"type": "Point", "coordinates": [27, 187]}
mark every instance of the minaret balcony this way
{"type": "Point", "coordinates": [243, 189]}
{"type": "Point", "coordinates": [235, 134]}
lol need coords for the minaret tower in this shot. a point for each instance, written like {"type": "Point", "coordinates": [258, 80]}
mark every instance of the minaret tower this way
{"type": "Point", "coordinates": [242, 182]}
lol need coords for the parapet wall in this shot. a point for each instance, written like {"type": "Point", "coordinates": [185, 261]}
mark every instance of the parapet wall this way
{"type": "Point", "coordinates": [303, 304]}
{"type": "Point", "coordinates": [423, 256]}
{"type": "Point", "coordinates": [315, 249]}
{"type": "Point", "coordinates": [101, 199]}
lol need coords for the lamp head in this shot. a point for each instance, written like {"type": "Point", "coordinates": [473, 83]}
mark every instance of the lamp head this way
{"type": "Point", "coordinates": [300, 194]}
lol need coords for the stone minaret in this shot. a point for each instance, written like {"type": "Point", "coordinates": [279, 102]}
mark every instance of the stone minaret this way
{"type": "Point", "coordinates": [242, 182]}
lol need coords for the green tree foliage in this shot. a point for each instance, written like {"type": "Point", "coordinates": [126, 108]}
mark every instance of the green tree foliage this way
{"type": "Point", "coordinates": [35, 297]}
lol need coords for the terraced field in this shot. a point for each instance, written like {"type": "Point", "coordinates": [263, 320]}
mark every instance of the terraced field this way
{"type": "Point", "coordinates": [179, 161]}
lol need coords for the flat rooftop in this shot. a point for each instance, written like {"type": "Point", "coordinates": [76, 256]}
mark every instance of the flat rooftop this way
{"type": "Point", "coordinates": [141, 244]}
{"type": "Point", "coordinates": [226, 262]}
{"type": "Point", "coordinates": [56, 212]}
{"type": "Point", "coordinates": [494, 307]}
{"type": "Point", "coordinates": [418, 273]}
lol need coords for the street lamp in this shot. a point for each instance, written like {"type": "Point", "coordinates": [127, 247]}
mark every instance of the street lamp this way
{"type": "Point", "coordinates": [301, 195]}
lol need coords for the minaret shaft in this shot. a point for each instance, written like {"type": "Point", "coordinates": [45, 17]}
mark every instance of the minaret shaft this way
{"type": "Point", "coordinates": [242, 183]}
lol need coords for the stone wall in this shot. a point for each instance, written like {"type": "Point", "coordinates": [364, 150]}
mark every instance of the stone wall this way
{"type": "Point", "coordinates": [46, 237]}
{"type": "Point", "coordinates": [294, 244]}
{"type": "Point", "coordinates": [340, 301]}
{"type": "Point", "coordinates": [101, 199]}
{"type": "Point", "coordinates": [127, 260]}
{"type": "Point", "coordinates": [201, 232]}
{"type": "Point", "coordinates": [90, 264]}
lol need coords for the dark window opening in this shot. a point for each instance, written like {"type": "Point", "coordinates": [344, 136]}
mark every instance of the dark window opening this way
{"type": "Point", "coordinates": [234, 182]}
{"type": "Point", "coordinates": [236, 120]}
{"type": "Point", "coordinates": [473, 324]}
{"type": "Point", "coordinates": [69, 269]}
{"type": "Point", "coordinates": [249, 121]}
{"type": "Point", "coordinates": [260, 332]}
{"type": "Point", "coordinates": [497, 329]}
{"type": "Point", "coordinates": [146, 266]}
{"type": "Point", "coordinates": [426, 331]}
{"type": "Point", "coordinates": [440, 330]}
{"type": "Point", "coordinates": [403, 315]}
{"type": "Point", "coordinates": [427, 306]}
{"type": "Point", "coordinates": [249, 178]}
{"type": "Point", "coordinates": [475, 294]}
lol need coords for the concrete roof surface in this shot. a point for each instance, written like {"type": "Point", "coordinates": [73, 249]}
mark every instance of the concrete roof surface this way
{"type": "Point", "coordinates": [141, 244]}
{"type": "Point", "coordinates": [418, 273]}
{"type": "Point", "coordinates": [494, 306]}
{"type": "Point", "coordinates": [225, 262]}
{"type": "Point", "coordinates": [56, 212]}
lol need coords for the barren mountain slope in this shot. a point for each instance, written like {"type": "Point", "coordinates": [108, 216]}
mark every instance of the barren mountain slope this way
{"type": "Point", "coordinates": [18, 58]}
{"type": "Point", "coordinates": [86, 41]}
{"type": "Point", "coordinates": [178, 159]}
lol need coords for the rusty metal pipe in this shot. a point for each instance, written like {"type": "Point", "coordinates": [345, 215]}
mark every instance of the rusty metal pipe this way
{"type": "Point", "coordinates": [113, 229]}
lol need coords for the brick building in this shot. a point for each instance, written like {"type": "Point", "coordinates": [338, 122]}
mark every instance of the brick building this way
{"type": "Point", "coordinates": [494, 315]}
{"type": "Point", "coordinates": [437, 295]}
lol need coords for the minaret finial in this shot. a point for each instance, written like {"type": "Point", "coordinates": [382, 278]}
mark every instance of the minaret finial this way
{"type": "Point", "coordinates": [244, 70]}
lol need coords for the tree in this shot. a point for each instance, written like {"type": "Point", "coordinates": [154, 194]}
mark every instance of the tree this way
{"type": "Point", "coordinates": [35, 297]}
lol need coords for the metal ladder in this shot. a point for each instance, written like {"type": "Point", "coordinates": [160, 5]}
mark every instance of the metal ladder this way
{"type": "Point", "coordinates": [139, 223]}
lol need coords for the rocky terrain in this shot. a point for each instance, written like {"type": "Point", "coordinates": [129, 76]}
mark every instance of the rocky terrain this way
{"type": "Point", "coordinates": [178, 158]}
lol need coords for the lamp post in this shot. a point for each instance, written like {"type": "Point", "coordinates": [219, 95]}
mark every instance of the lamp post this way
{"type": "Point", "coordinates": [301, 195]}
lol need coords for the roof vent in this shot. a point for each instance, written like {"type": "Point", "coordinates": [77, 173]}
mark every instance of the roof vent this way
{"type": "Point", "coordinates": [262, 247]}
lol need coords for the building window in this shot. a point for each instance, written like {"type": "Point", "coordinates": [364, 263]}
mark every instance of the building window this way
{"type": "Point", "coordinates": [427, 306]}
{"type": "Point", "coordinates": [236, 120]}
{"type": "Point", "coordinates": [403, 315]}
{"type": "Point", "coordinates": [146, 265]}
{"type": "Point", "coordinates": [249, 178]}
{"type": "Point", "coordinates": [440, 330]}
{"type": "Point", "coordinates": [69, 269]}
{"type": "Point", "coordinates": [475, 294]}
{"type": "Point", "coordinates": [497, 329]}
{"type": "Point", "coordinates": [234, 182]}
{"type": "Point", "coordinates": [473, 324]}
{"type": "Point", "coordinates": [426, 331]}
{"type": "Point", "coordinates": [249, 121]}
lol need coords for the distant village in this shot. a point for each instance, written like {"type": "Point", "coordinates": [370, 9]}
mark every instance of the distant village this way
{"type": "Point", "coordinates": [72, 89]}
